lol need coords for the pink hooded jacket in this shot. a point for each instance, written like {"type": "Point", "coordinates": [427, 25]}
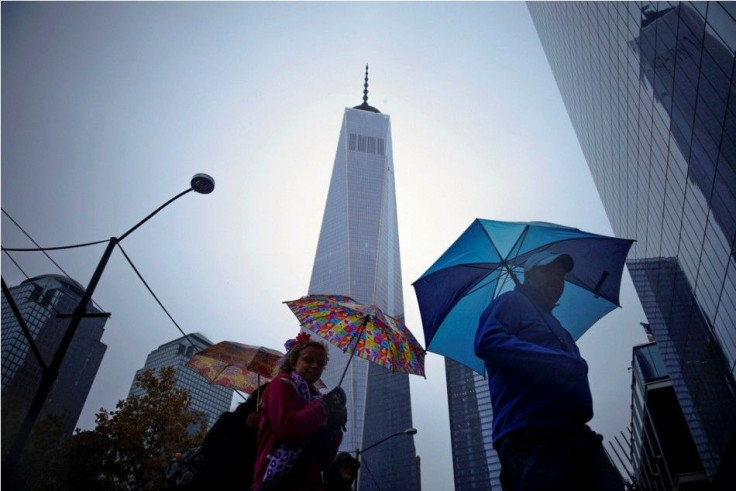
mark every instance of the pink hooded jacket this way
{"type": "Point", "coordinates": [287, 419]}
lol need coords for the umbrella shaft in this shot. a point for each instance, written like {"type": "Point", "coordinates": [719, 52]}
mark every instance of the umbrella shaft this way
{"type": "Point", "coordinates": [355, 346]}
{"type": "Point", "coordinates": [346, 368]}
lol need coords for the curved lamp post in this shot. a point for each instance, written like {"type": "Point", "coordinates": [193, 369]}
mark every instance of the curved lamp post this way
{"type": "Point", "coordinates": [358, 452]}
{"type": "Point", "coordinates": [200, 183]}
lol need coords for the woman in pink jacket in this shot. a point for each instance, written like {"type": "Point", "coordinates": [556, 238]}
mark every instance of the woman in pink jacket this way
{"type": "Point", "coordinates": [300, 430]}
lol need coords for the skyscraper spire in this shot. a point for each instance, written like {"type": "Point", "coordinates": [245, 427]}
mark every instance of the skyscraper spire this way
{"type": "Point", "coordinates": [365, 106]}
{"type": "Point", "coordinates": [365, 86]}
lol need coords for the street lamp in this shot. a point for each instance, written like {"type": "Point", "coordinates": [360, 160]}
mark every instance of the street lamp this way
{"type": "Point", "coordinates": [200, 183]}
{"type": "Point", "coordinates": [358, 452]}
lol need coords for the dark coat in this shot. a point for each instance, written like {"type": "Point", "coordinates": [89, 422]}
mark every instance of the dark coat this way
{"type": "Point", "coordinates": [230, 448]}
{"type": "Point", "coordinates": [536, 375]}
{"type": "Point", "coordinates": [229, 453]}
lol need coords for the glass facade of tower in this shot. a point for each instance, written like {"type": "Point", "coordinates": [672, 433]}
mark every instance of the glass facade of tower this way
{"type": "Point", "coordinates": [664, 454]}
{"type": "Point", "coordinates": [474, 461]}
{"type": "Point", "coordinates": [651, 93]}
{"type": "Point", "coordinates": [358, 256]}
{"type": "Point", "coordinates": [40, 300]}
{"type": "Point", "coordinates": [210, 399]}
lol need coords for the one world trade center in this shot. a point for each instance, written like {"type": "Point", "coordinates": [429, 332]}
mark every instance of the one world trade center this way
{"type": "Point", "coordinates": [358, 256]}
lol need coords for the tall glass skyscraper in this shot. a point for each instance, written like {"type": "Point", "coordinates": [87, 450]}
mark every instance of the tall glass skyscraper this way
{"type": "Point", "coordinates": [475, 463]}
{"type": "Point", "coordinates": [651, 93]}
{"type": "Point", "coordinates": [40, 300]}
{"type": "Point", "coordinates": [358, 256]}
{"type": "Point", "coordinates": [210, 399]}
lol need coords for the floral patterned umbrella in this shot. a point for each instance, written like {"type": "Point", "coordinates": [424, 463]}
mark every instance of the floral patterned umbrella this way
{"type": "Point", "coordinates": [235, 365]}
{"type": "Point", "coordinates": [364, 329]}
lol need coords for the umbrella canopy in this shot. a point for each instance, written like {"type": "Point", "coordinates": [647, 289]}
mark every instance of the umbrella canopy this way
{"type": "Point", "coordinates": [487, 260]}
{"type": "Point", "coordinates": [237, 366]}
{"type": "Point", "coordinates": [364, 329]}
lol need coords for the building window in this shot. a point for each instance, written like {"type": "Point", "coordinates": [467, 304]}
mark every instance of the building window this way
{"type": "Point", "coordinates": [366, 144]}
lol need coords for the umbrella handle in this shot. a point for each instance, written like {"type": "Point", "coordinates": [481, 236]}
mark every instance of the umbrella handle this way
{"type": "Point", "coordinates": [511, 273]}
{"type": "Point", "coordinates": [365, 323]}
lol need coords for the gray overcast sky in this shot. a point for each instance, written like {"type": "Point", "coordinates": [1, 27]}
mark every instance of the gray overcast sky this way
{"type": "Point", "coordinates": [108, 109]}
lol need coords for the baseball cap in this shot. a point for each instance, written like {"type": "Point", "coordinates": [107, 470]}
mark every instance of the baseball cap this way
{"type": "Point", "coordinates": [546, 257]}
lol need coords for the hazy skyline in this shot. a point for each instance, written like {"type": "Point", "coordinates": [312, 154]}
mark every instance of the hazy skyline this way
{"type": "Point", "coordinates": [108, 109]}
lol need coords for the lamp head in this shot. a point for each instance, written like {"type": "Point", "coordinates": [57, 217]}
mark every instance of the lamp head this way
{"type": "Point", "coordinates": [411, 431]}
{"type": "Point", "coordinates": [203, 183]}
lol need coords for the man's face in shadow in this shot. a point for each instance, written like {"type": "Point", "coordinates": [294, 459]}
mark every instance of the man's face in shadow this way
{"type": "Point", "coordinates": [549, 280]}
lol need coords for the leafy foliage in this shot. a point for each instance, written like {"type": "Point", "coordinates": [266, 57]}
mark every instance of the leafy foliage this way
{"type": "Point", "coordinates": [41, 450]}
{"type": "Point", "coordinates": [131, 445]}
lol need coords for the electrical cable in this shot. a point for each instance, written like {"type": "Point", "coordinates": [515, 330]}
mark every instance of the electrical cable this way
{"type": "Point", "coordinates": [162, 306]}
{"type": "Point", "coordinates": [44, 249]}
{"type": "Point", "coordinates": [17, 265]}
{"type": "Point", "coordinates": [25, 275]}
{"type": "Point", "coordinates": [38, 248]}
{"type": "Point", "coordinates": [57, 248]}
{"type": "Point", "coordinates": [41, 249]}
{"type": "Point", "coordinates": [154, 296]}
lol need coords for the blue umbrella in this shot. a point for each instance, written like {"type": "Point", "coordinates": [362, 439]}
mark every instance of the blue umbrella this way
{"type": "Point", "coordinates": [487, 260]}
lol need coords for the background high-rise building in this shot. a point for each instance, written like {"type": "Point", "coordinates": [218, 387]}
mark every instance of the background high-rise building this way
{"type": "Point", "coordinates": [665, 454]}
{"type": "Point", "coordinates": [651, 93]}
{"type": "Point", "coordinates": [475, 463]}
{"type": "Point", "coordinates": [40, 300]}
{"type": "Point", "coordinates": [358, 256]}
{"type": "Point", "coordinates": [208, 398]}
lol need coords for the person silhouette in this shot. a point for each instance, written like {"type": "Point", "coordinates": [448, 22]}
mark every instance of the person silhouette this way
{"type": "Point", "coordinates": [539, 388]}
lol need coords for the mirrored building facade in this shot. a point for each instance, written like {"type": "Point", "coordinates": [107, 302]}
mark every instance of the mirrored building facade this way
{"type": "Point", "coordinates": [650, 90]}
{"type": "Point", "coordinates": [664, 454]}
{"type": "Point", "coordinates": [41, 300]}
{"type": "Point", "coordinates": [212, 400]}
{"type": "Point", "coordinates": [475, 464]}
{"type": "Point", "coordinates": [358, 256]}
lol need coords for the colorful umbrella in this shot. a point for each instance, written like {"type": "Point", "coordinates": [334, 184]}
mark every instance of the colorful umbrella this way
{"type": "Point", "coordinates": [235, 365]}
{"type": "Point", "coordinates": [487, 260]}
{"type": "Point", "coordinates": [364, 329]}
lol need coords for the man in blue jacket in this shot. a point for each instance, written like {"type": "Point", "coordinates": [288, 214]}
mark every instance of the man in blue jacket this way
{"type": "Point", "coordinates": [539, 388]}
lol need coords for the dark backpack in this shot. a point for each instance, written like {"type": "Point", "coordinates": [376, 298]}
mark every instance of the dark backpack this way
{"type": "Point", "coordinates": [184, 472]}
{"type": "Point", "coordinates": [229, 447]}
